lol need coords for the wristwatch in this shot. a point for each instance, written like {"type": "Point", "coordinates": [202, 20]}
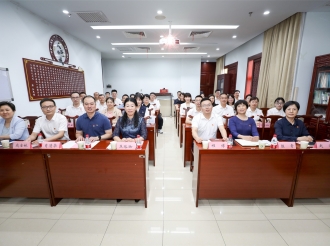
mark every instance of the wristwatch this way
{"type": "Point", "coordinates": [99, 137]}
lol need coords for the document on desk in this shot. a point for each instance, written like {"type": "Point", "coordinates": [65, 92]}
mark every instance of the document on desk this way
{"type": "Point", "coordinates": [246, 143]}
{"type": "Point", "coordinates": [74, 145]}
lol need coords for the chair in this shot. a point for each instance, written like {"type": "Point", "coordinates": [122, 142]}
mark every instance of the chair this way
{"type": "Point", "coordinates": [311, 123]}
{"type": "Point", "coordinates": [186, 110]}
{"type": "Point", "coordinates": [264, 111]}
{"type": "Point", "coordinates": [156, 120]}
{"type": "Point", "coordinates": [226, 123]}
{"type": "Point", "coordinates": [271, 130]}
{"type": "Point", "coordinates": [62, 111]}
{"type": "Point", "coordinates": [31, 121]}
{"type": "Point", "coordinates": [72, 127]}
{"type": "Point", "coordinates": [110, 119]}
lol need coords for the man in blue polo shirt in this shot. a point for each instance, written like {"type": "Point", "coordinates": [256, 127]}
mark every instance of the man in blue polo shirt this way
{"type": "Point", "coordinates": [96, 125]}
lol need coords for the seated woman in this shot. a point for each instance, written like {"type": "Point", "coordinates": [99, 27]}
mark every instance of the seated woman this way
{"type": "Point", "coordinates": [248, 97]}
{"type": "Point", "coordinates": [289, 128]}
{"type": "Point", "coordinates": [111, 110]}
{"type": "Point", "coordinates": [212, 98]}
{"type": "Point", "coordinates": [131, 124]}
{"type": "Point", "coordinates": [242, 126]}
{"type": "Point", "coordinates": [11, 127]}
{"type": "Point", "coordinates": [231, 100]}
{"type": "Point", "coordinates": [181, 100]}
{"type": "Point", "coordinates": [188, 104]}
{"type": "Point", "coordinates": [141, 109]}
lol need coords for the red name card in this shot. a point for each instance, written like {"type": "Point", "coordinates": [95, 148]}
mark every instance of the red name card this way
{"type": "Point", "coordinates": [22, 145]}
{"type": "Point", "coordinates": [217, 145]}
{"type": "Point", "coordinates": [126, 145]}
{"type": "Point", "coordinates": [70, 124]}
{"type": "Point", "coordinates": [286, 145]}
{"type": "Point", "coordinates": [51, 145]}
{"type": "Point", "coordinates": [322, 145]}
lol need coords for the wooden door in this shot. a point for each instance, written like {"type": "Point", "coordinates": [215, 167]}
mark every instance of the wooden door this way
{"type": "Point", "coordinates": [232, 69]}
{"type": "Point", "coordinates": [207, 77]}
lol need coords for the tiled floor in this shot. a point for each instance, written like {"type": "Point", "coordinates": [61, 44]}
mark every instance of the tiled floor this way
{"type": "Point", "coordinates": [170, 219]}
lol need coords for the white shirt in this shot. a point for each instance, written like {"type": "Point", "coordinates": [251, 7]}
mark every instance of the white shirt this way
{"type": "Point", "coordinates": [184, 105]}
{"type": "Point", "coordinates": [256, 113]}
{"type": "Point", "coordinates": [220, 111]}
{"type": "Point", "coordinates": [155, 102]}
{"type": "Point", "coordinates": [52, 127]}
{"type": "Point", "coordinates": [216, 101]}
{"type": "Point", "coordinates": [207, 128]}
{"type": "Point", "coordinates": [153, 112]}
{"type": "Point", "coordinates": [101, 107]}
{"type": "Point", "coordinates": [193, 112]}
{"type": "Point", "coordinates": [118, 101]}
{"type": "Point", "coordinates": [274, 111]}
{"type": "Point", "coordinates": [73, 111]}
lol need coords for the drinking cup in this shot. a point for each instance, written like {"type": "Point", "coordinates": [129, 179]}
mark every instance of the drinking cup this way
{"type": "Point", "coordinates": [5, 144]}
{"type": "Point", "coordinates": [113, 145]}
{"type": "Point", "coordinates": [262, 144]}
{"type": "Point", "coordinates": [303, 144]}
{"type": "Point", "coordinates": [81, 144]}
{"type": "Point", "coordinates": [205, 144]}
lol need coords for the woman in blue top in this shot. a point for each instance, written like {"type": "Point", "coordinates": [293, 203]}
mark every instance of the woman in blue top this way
{"type": "Point", "coordinates": [130, 124]}
{"type": "Point", "coordinates": [11, 127]}
{"type": "Point", "coordinates": [141, 109]}
{"type": "Point", "coordinates": [242, 126]}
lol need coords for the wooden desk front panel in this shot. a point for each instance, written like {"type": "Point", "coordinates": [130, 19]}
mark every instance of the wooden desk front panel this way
{"type": "Point", "coordinates": [23, 174]}
{"type": "Point", "coordinates": [246, 174]}
{"type": "Point", "coordinates": [314, 176]}
{"type": "Point", "coordinates": [181, 129]}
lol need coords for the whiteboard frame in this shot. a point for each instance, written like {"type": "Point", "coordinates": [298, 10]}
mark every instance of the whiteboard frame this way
{"type": "Point", "coordinates": [11, 90]}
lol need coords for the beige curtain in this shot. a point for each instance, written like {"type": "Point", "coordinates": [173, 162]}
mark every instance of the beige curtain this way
{"type": "Point", "coordinates": [278, 61]}
{"type": "Point", "coordinates": [219, 69]}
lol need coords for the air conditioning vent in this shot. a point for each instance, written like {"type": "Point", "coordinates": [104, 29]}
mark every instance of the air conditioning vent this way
{"type": "Point", "coordinates": [199, 34]}
{"type": "Point", "coordinates": [124, 49]}
{"type": "Point", "coordinates": [138, 34]}
{"type": "Point", "coordinates": [190, 48]}
{"type": "Point", "coordinates": [92, 17]}
{"type": "Point", "coordinates": [146, 49]}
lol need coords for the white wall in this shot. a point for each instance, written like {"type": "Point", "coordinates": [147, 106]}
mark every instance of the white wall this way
{"type": "Point", "coordinates": [150, 75]}
{"type": "Point", "coordinates": [25, 35]}
{"type": "Point", "coordinates": [240, 55]}
{"type": "Point", "coordinates": [315, 42]}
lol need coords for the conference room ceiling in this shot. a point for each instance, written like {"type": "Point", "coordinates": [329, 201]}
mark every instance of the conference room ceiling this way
{"type": "Point", "coordinates": [178, 12]}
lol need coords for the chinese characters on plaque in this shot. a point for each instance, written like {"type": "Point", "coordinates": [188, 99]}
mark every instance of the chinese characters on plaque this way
{"type": "Point", "coordinates": [51, 81]}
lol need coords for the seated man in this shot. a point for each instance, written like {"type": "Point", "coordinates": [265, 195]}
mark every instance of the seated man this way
{"type": "Point", "coordinates": [223, 109]}
{"type": "Point", "coordinates": [156, 104]}
{"type": "Point", "coordinates": [93, 123]}
{"type": "Point", "coordinates": [123, 98]}
{"type": "Point", "coordinates": [253, 109]}
{"type": "Point", "coordinates": [178, 99]}
{"type": "Point", "coordinates": [217, 96]}
{"type": "Point", "coordinates": [114, 96]}
{"type": "Point", "coordinates": [206, 124]}
{"type": "Point", "coordinates": [194, 111]}
{"type": "Point", "coordinates": [76, 108]}
{"type": "Point", "coordinates": [107, 95]}
{"type": "Point", "coordinates": [236, 95]}
{"type": "Point", "coordinates": [96, 96]}
{"type": "Point", "coordinates": [101, 104]}
{"type": "Point", "coordinates": [53, 125]}
{"type": "Point", "coordinates": [82, 95]}
{"type": "Point", "coordinates": [278, 109]}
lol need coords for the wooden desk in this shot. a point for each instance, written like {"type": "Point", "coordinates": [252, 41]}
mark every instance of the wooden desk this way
{"type": "Point", "coordinates": [244, 173]}
{"type": "Point", "coordinates": [178, 120]}
{"type": "Point", "coordinates": [23, 174]}
{"type": "Point", "coordinates": [182, 120]}
{"type": "Point", "coordinates": [152, 142]}
{"type": "Point", "coordinates": [98, 173]}
{"type": "Point", "coordinates": [187, 143]}
{"type": "Point", "coordinates": [314, 174]}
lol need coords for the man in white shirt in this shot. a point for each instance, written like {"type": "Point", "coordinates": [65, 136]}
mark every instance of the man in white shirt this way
{"type": "Point", "coordinates": [82, 95]}
{"type": "Point", "coordinates": [101, 105]}
{"type": "Point", "coordinates": [194, 111]}
{"type": "Point", "coordinates": [107, 95]}
{"type": "Point", "coordinates": [217, 96]}
{"type": "Point", "coordinates": [76, 108]}
{"type": "Point", "coordinates": [253, 109]}
{"type": "Point", "coordinates": [206, 125]}
{"type": "Point", "coordinates": [156, 104]}
{"type": "Point", "coordinates": [53, 125]}
{"type": "Point", "coordinates": [223, 109]}
{"type": "Point", "coordinates": [96, 96]}
{"type": "Point", "coordinates": [278, 109]}
{"type": "Point", "coordinates": [236, 95]}
{"type": "Point", "coordinates": [114, 96]}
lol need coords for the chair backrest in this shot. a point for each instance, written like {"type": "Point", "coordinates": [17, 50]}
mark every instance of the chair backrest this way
{"type": "Point", "coordinates": [267, 133]}
{"type": "Point", "coordinates": [30, 122]}
{"type": "Point", "coordinates": [72, 130]}
{"type": "Point", "coordinates": [62, 110]}
{"type": "Point", "coordinates": [311, 123]}
{"type": "Point", "coordinates": [264, 111]}
{"type": "Point", "coordinates": [186, 110]}
{"type": "Point", "coordinates": [226, 123]}
{"type": "Point", "coordinates": [111, 118]}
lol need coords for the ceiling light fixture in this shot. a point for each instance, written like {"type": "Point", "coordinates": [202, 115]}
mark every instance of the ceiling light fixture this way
{"type": "Point", "coordinates": [234, 36]}
{"type": "Point", "coordinates": [162, 48]}
{"type": "Point", "coordinates": [66, 12]}
{"type": "Point", "coordinates": [208, 56]}
{"type": "Point", "coordinates": [217, 48]}
{"type": "Point", "coordinates": [169, 40]}
{"type": "Point", "coordinates": [130, 44]}
{"type": "Point", "coordinates": [98, 37]}
{"type": "Point", "coordinates": [207, 60]}
{"type": "Point", "coordinates": [162, 56]}
{"type": "Point", "coordinates": [113, 48]}
{"type": "Point", "coordinates": [163, 27]}
{"type": "Point", "coordinates": [173, 53]}
{"type": "Point", "coordinates": [123, 56]}
{"type": "Point", "coordinates": [266, 12]}
{"type": "Point", "coordinates": [159, 12]}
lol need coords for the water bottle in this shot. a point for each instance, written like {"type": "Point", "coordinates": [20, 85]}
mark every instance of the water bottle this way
{"type": "Point", "coordinates": [138, 142]}
{"type": "Point", "coordinates": [230, 141]}
{"type": "Point", "coordinates": [40, 139]}
{"type": "Point", "coordinates": [273, 142]}
{"type": "Point", "coordinates": [88, 144]}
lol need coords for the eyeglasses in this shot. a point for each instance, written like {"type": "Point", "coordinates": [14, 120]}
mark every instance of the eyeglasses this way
{"type": "Point", "coordinates": [75, 97]}
{"type": "Point", "coordinates": [47, 107]}
{"type": "Point", "coordinates": [277, 103]}
{"type": "Point", "coordinates": [206, 106]}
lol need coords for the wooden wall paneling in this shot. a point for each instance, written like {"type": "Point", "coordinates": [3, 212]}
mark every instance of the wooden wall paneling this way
{"type": "Point", "coordinates": [207, 77]}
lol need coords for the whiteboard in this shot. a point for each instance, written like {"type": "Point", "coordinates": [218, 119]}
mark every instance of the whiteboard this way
{"type": "Point", "coordinates": [6, 93]}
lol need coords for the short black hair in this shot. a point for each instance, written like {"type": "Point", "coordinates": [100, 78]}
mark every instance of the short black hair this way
{"type": "Point", "coordinates": [241, 102]}
{"type": "Point", "coordinates": [187, 94]}
{"type": "Point", "coordinates": [198, 96]}
{"type": "Point", "coordinates": [248, 95]}
{"type": "Point", "coordinates": [289, 103]}
{"type": "Point", "coordinates": [110, 98]}
{"type": "Point", "coordinates": [9, 104]}
{"type": "Point", "coordinates": [107, 92]}
{"type": "Point", "coordinates": [101, 95]}
{"type": "Point", "coordinates": [74, 93]}
{"type": "Point", "coordinates": [217, 90]}
{"type": "Point", "coordinates": [113, 90]}
{"type": "Point", "coordinates": [254, 98]}
{"type": "Point", "coordinates": [237, 91]}
{"type": "Point", "coordinates": [278, 99]}
{"type": "Point", "coordinates": [47, 100]}
{"type": "Point", "coordinates": [138, 95]}
{"type": "Point", "coordinates": [211, 95]}
{"type": "Point", "coordinates": [224, 94]}
{"type": "Point", "coordinates": [153, 93]}
{"type": "Point", "coordinates": [88, 96]}
{"type": "Point", "coordinates": [146, 95]}
{"type": "Point", "coordinates": [82, 93]}
{"type": "Point", "coordinates": [206, 99]}
{"type": "Point", "coordinates": [124, 95]}
{"type": "Point", "coordinates": [132, 95]}
{"type": "Point", "coordinates": [178, 92]}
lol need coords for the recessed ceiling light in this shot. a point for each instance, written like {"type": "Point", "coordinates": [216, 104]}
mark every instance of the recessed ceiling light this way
{"type": "Point", "coordinates": [173, 53]}
{"type": "Point", "coordinates": [130, 44]}
{"type": "Point", "coordinates": [159, 12]}
{"type": "Point", "coordinates": [234, 36]}
{"type": "Point", "coordinates": [208, 56]}
{"type": "Point", "coordinates": [266, 12]}
{"type": "Point", "coordinates": [65, 12]}
{"type": "Point", "coordinates": [123, 56]}
{"type": "Point", "coordinates": [207, 60]}
{"type": "Point", "coordinates": [165, 27]}
{"type": "Point", "coordinates": [98, 37]}
{"type": "Point", "coordinates": [113, 48]}
{"type": "Point", "coordinates": [162, 56]}
{"type": "Point", "coordinates": [162, 48]}
{"type": "Point", "coordinates": [161, 36]}
{"type": "Point", "coordinates": [217, 48]}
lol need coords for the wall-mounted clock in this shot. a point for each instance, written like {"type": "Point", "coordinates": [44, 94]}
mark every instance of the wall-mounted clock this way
{"type": "Point", "coordinates": [58, 49]}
